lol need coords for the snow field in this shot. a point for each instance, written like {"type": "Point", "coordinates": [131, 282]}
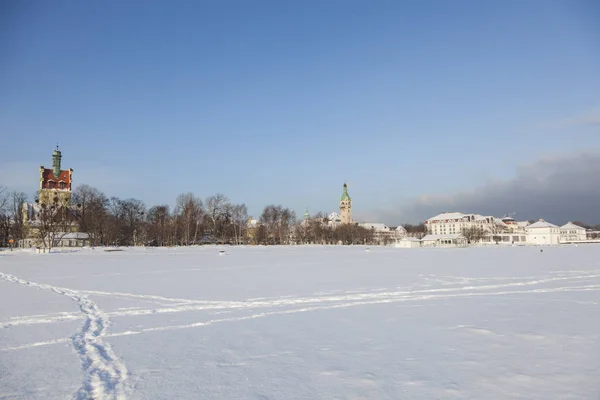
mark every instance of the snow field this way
{"type": "Point", "coordinates": [301, 323]}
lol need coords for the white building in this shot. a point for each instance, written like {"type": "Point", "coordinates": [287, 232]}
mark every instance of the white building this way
{"type": "Point", "coordinates": [444, 240]}
{"type": "Point", "coordinates": [382, 233]}
{"type": "Point", "coordinates": [571, 232]}
{"type": "Point", "coordinates": [375, 226]}
{"type": "Point", "coordinates": [543, 233]}
{"type": "Point", "coordinates": [455, 222]}
{"type": "Point", "coordinates": [408, 243]}
{"type": "Point", "coordinates": [400, 232]}
{"type": "Point", "coordinates": [334, 219]}
{"type": "Point", "coordinates": [60, 239]}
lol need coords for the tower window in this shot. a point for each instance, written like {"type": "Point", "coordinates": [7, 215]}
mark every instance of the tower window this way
{"type": "Point", "coordinates": [62, 185]}
{"type": "Point", "coordinates": [51, 184]}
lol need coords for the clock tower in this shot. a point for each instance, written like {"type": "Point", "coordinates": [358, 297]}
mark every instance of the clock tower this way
{"type": "Point", "coordinates": [346, 206]}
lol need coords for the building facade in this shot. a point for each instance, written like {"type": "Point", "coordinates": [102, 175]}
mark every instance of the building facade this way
{"type": "Point", "coordinates": [52, 211]}
{"type": "Point", "coordinates": [572, 233]}
{"type": "Point", "coordinates": [381, 232]}
{"type": "Point", "coordinates": [346, 206]}
{"type": "Point", "coordinates": [543, 233]}
{"type": "Point", "coordinates": [444, 240]}
{"type": "Point", "coordinates": [455, 222]}
{"type": "Point", "coordinates": [55, 183]}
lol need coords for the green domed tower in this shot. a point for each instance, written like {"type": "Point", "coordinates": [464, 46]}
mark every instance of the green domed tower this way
{"type": "Point", "coordinates": [346, 206]}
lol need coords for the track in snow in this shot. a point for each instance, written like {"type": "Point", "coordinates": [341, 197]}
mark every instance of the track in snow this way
{"type": "Point", "coordinates": [474, 287]}
{"type": "Point", "coordinates": [105, 376]}
{"type": "Point", "coordinates": [321, 299]}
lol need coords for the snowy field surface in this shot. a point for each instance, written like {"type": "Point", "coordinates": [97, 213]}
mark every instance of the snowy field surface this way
{"type": "Point", "coordinates": [301, 323]}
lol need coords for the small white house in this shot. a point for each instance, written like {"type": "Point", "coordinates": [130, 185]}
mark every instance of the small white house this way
{"type": "Point", "coordinates": [408, 243]}
{"type": "Point", "coordinates": [61, 239]}
{"type": "Point", "coordinates": [334, 219]}
{"type": "Point", "coordinates": [400, 232]}
{"type": "Point", "coordinates": [571, 232]}
{"type": "Point", "coordinates": [543, 233]}
{"type": "Point", "coordinates": [382, 233]}
{"type": "Point", "coordinates": [73, 239]}
{"type": "Point", "coordinates": [447, 240]}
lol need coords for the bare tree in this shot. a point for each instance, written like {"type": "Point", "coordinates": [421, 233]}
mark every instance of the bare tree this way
{"type": "Point", "coordinates": [189, 214]}
{"type": "Point", "coordinates": [5, 223]}
{"type": "Point", "coordinates": [92, 205]}
{"type": "Point", "coordinates": [473, 234]}
{"type": "Point", "coordinates": [125, 225]}
{"type": "Point", "coordinates": [261, 236]}
{"type": "Point", "coordinates": [417, 231]}
{"type": "Point", "coordinates": [53, 222]}
{"type": "Point", "coordinates": [159, 226]}
{"type": "Point", "coordinates": [18, 229]}
{"type": "Point", "coordinates": [239, 220]}
{"type": "Point", "coordinates": [215, 206]}
{"type": "Point", "coordinates": [278, 222]}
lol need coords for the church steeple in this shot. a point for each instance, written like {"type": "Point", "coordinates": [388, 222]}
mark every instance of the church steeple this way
{"type": "Point", "coordinates": [346, 206]}
{"type": "Point", "coordinates": [345, 195]}
{"type": "Point", "coordinates": [306, 215]}
{"type": "Point", "coordinates": [56, 156]}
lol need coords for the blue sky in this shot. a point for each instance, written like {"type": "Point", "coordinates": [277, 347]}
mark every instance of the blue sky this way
{"type": "Point", "coordinates": [281, 102]}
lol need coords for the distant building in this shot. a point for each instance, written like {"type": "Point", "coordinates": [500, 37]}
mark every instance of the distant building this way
{"type": "Point", "coordinates": [400, 232]}
{"type": "Point", "coordinates": [252, 226]}
{"type": "Point", "coordinates": [55, 189]}
{"type": "Point", "coordinates": [346, 206]}
{"type": "Point", "coordinates": [52, 204]}
{"type": "Point", "coordinates": [571, 232]}
{"type": "Point", "coordinates": [444, 240]}
{"type": "Point", "coordinates": [543, 233]}
{"type": "Point", "coordinates": [381, 232]}
{"type": "Point", "coordinates": [454, 222]}
{"type": "Point", "coordinates": [55, 183]}
{"type": "Point", "coordinates": [334, 219]}
{"type": "Point", "coordinates": [408, 243]}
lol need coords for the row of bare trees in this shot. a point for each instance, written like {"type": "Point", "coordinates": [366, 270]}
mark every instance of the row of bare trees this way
{"type": "Point", "coordinates": [128, 222]}
{"type": "Point", "coordinates": [113, 221]}
{"type": "Point", "coordinates": [317, 230]}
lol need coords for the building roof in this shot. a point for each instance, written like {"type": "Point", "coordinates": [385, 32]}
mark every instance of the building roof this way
{"type": "Point", "coordinates": [334, 217]}
{"type": "Point", "coordinates": [48, 175]}
{"type": "Point", "coordinates": [541, 224]}
{"type": "Point", "coordinates": [345, 195]}
{"type": "Point", "coordinates": [374, 225]}
{"type": "Point", "coordinates": [436, 237]}
{"type": "Point", "coordinates": [76, 235]}
{"type": "Point", "coordinates": [570, 225]}
{"type": "Point", "coordinates": [401, 229]}
{"type": "Point", "coordinates": [448, 215]}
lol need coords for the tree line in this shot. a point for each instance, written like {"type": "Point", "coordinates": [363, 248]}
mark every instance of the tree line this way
{"type": "Point", "coordinates": [112, 221]}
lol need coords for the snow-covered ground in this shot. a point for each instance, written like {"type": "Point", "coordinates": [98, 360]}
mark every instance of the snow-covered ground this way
{"type": "Point", "coordinates": [301, 323]}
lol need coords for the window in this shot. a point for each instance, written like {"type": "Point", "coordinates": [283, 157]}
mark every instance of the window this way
{"type": "Point", "coordinates": [62, 185]}
{"type": "Point", "coordinates": [51, 184]}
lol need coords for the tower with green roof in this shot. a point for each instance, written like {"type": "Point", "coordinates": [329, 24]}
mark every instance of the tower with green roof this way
{"type": "Point", "coordinates": [346, 206]}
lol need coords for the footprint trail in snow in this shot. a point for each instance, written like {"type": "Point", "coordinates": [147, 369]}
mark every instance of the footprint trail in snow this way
{"type": "Point", "coordinates": [105, 376]}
